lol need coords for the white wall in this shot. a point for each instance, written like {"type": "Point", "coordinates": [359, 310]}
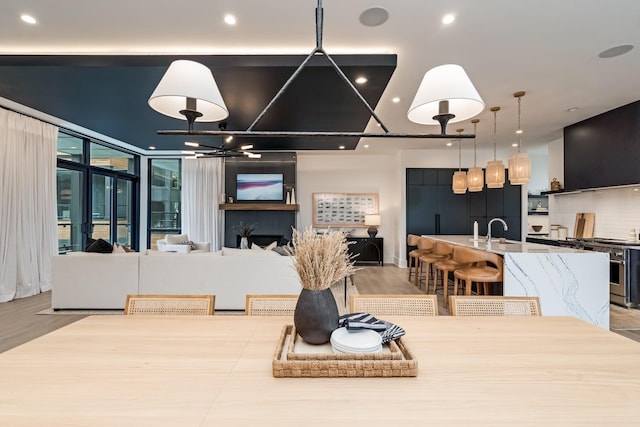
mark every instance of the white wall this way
{"type": "Point", "coordinates": [351, 173]}
{"type": "Point", "coordinates": [617, 210]}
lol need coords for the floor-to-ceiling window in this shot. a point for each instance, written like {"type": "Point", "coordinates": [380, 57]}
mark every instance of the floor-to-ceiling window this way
{"type": "Point", "coordinates": [164, 199]}
{"type": "Point", "coordinates": [97, 193]}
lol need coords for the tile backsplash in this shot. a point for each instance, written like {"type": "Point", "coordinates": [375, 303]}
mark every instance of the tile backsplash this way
{"type": "Point", "coordinates": [617, 210]}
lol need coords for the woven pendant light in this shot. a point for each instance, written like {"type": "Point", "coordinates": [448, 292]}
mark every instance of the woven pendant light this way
{"type": "Point", "coordinates": [459, 184]}
{"type": "Point", "coordinates": [475, 175]}
{"type": "Point", "coordinates": [495, 168]}
{"type": "Point", "coordinates": [519, 163]}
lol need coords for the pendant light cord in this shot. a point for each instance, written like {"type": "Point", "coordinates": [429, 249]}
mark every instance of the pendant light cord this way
{"type": "Point", "coordinates": [475, 143]}
{"type": "Point", "coordinates": [495, 112]}
{"type": "Point", "coordinates": [519, 127]}
{"type": "Point", "coordinates": [459, 150]}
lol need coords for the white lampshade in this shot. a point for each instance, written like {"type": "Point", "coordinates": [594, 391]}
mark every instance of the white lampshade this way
{"type": "Point", "coordinates": [459, 184]}
{"type": "Point", "coordinates": [519, 168]}
{"type": "Point", "coordinates": [188, 79]}
{"type": "Point", "coordinates": [372, 220]}
{"type": "Point", "coordinates": [495, 174]}
{"type": "Point", "coordinates": [445, 83]}
{"type": "Point", "coordinates": [475, 179]}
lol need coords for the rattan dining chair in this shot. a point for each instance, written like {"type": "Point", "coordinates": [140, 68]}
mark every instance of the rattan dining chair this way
{"type": "Point", "coordinates": [465, 305]}
{"type": "Point", "coordinates": [270, 305]}
{"type": "Point", "coordinates": [391, 305]}
{"type": "Point", "coordinates": [186, 305]}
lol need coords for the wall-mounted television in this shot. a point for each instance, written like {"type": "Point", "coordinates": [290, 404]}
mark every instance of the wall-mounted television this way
{"type": "Point", "coordinates": [259, 186]}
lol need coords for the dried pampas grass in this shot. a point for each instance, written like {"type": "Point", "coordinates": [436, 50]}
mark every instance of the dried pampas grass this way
{"type": "Point", "coordinates": [321, 259]}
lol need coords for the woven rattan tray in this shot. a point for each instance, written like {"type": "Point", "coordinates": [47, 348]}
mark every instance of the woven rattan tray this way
{"type": "Point", "coordinates": [397, 362]}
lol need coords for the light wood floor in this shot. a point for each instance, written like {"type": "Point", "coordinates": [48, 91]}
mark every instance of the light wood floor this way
{"type": "Point", "coordinates": [20, 323]}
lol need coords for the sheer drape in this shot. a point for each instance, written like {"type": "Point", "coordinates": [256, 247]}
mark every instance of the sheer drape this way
{"type": "Point", "coordinates": [28, 230]}
{"type": "Point", "coordinates": [202, 185]}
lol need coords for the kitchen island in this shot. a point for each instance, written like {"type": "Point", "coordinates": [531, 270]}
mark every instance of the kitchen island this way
{"type": "Point", "coordinates": [569, 282]}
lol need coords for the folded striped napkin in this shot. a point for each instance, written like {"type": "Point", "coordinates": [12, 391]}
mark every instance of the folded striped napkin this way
{"type": "Point", "coordinates": [357, 321]}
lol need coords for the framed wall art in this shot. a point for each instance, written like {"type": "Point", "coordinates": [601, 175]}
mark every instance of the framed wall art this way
{"type": "Point", "coordinates": [343, 209]}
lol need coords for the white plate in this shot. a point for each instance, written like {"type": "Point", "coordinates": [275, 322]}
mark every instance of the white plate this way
{"type": "Point", "coordinates": [356, 341]}
{"type": "Point", "coordinates": [336, 350]}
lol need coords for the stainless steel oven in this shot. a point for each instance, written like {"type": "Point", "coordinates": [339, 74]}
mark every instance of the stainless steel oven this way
{"type": "Point", "coordinates": [624, 269]}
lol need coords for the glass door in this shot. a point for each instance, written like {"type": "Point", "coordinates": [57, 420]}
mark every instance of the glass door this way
{"type": "Point", "coordinates": [102, 192]}
{"type": "Point", "coordinates": [70, 197]}
{"type": "Point", "coordinates": [125, 212]}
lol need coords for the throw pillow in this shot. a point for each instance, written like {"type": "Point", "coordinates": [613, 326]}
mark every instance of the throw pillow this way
{"type": "Point", "coordinates": [88, 243]}
{"type": "Point", "coordinates": [281, 251]}
{"type": "Point", "coordinates": [190, 244]}
{"type": "Point", "coordinates": [100, 246]}
{"type": "Point", "coordinates": [255, 247]}
{"type": "Point", "coordinates": [175, 239]}
{"type": "Point", "coordinates": [270, 246]}
{"type": "Point", "coordinates": [118, 248]}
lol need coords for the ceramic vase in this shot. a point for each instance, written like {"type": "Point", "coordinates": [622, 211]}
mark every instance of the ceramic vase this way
{"type": "Point", "coordinates": [316, 316]}
{"type": "Point", "coordinates": [244, 243]}
{"type": "Point", "coordinates": [293, 196]}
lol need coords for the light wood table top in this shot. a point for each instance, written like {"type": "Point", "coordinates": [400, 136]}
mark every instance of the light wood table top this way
{"type": "Point", "coordinates": [216, 371]}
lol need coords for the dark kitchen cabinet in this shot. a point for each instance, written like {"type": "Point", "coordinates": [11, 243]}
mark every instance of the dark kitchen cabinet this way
{"type": "Point", "coordinates": [604, 150]}
{"type": "Point", "coordinates": [433, 208]}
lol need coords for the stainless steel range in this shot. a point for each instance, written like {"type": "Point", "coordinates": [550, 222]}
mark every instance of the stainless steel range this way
{"type": "Point", "coordinates": [624, 267]}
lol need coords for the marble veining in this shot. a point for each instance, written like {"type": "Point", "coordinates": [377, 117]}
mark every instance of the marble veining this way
{"type": "Point", "coordinates": [574, 284]}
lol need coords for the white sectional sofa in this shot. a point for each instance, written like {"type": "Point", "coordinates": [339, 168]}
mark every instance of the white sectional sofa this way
{"type": "Point", "coordinates": [102, 281]}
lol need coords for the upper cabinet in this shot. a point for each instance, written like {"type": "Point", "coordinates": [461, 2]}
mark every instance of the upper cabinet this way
{"type": "Point", "coordinates": [603, 151]}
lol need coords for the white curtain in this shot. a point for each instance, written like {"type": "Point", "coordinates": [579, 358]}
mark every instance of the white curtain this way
{"type": "Point", "coordinates": [28, 229]}
{"type": "Point", "coordinates": [202, 186]}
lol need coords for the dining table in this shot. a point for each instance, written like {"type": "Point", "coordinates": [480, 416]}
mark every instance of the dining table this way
{"type": "Point", "coordinates": [114, 370]}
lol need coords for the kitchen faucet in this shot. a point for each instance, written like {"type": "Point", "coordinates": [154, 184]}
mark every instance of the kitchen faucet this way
{"type": "Point", "coordinates": [489, 227]}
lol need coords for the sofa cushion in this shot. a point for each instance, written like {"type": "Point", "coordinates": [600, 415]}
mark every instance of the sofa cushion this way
{"type": "Point", "coordinates": [100, 246]}
{"type": "Point", "coordinates": [246, 252]}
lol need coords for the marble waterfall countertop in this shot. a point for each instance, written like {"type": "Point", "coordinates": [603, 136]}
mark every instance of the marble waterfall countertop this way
{"type": "Point", "coordinates": [569, 282]}
{"type": "Point", "coordinates": [496, 246]}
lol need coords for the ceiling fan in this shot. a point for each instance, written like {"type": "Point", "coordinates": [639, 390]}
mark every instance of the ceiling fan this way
{"type": "Point", "coordinates": [220, 151]}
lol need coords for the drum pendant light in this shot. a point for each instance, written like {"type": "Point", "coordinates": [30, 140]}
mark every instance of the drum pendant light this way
{"type": "Point", "coordinates": [495, 168]}
{"type": "Point", "coordinates": [459, 184]}
{"type": "Point", "coordinates": [519, 163]}
{"type": "Point", "coordinates": [475, 176]}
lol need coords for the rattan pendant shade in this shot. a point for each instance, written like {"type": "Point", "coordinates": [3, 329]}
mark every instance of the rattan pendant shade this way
{"type": "Point", "coordinates": [495, 168]}
{"type": "Point", "coordinates": [495, 174]}
{"type": "Point", "coordinates": [519, 163]}
{"type": "Point", "coordinates": [459, 182]}
{"type": "Point", "coordinates": [475, 175]}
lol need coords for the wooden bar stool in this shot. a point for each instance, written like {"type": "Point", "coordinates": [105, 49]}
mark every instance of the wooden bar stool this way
{"type": "Point", "coordinates": [428, 260]}
{"type": "Point", "coordinates": [425, 247]}
{"type": "Point", "coordinates": [486, 267]}
{"type": "Point", "coordinates": [412, 241]}
{"type": "Point", "coordinates": [446, 266]}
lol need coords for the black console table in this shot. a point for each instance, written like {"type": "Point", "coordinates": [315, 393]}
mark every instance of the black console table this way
{"type": "Point", "coordinates": [370, 250]}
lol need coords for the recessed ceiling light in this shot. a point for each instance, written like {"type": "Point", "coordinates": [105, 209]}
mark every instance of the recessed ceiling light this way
{"type": "Point", "coordinates": [230, 20]}
{"type": "Point", "coordinates": [246, 147]}
{"type": "Point", "coordinates": [366, 145]}
{"type": "Point", "coordinates": [361, 80]}
{"type": "Point", "coordinates": [515, 144]}
{"type": "Point", "coordinates": [152, 147]}
{"type": "Point", "coordinates": [519, 131]}
{"type": "Point", "coordinates": [341, 147]}
{"type": "Point", "coordinates": [572, 109]}
{"type": "Point", "coordinates": [374, 16]}
{"type": "Point", "coordinates": [28, 19]}
{"type": "Point", "coordinates": [395, 100]}
{"type": "Point", "coordinates": [192, 144]}
{"type": "Point", "coordinates": [615, 51]}
{"type": "Point", "coordinates": [228, 139]}
{"type": "Point", "coordinates": [449, 144]}
{"type": "Point", "coordinates": [448, 18]}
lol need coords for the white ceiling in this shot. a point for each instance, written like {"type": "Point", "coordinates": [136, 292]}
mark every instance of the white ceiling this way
{"type": "Point", "coordinates": [548, 48]}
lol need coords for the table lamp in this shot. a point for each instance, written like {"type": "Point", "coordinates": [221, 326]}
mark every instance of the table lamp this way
{"type": "Point", "coordinates": [373, 221]}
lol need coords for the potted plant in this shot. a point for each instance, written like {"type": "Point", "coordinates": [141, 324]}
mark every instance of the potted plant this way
{"type": "Point", "coordinates": [244, 231]}
{"type": "Point", "coordinates": [320, 259]}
